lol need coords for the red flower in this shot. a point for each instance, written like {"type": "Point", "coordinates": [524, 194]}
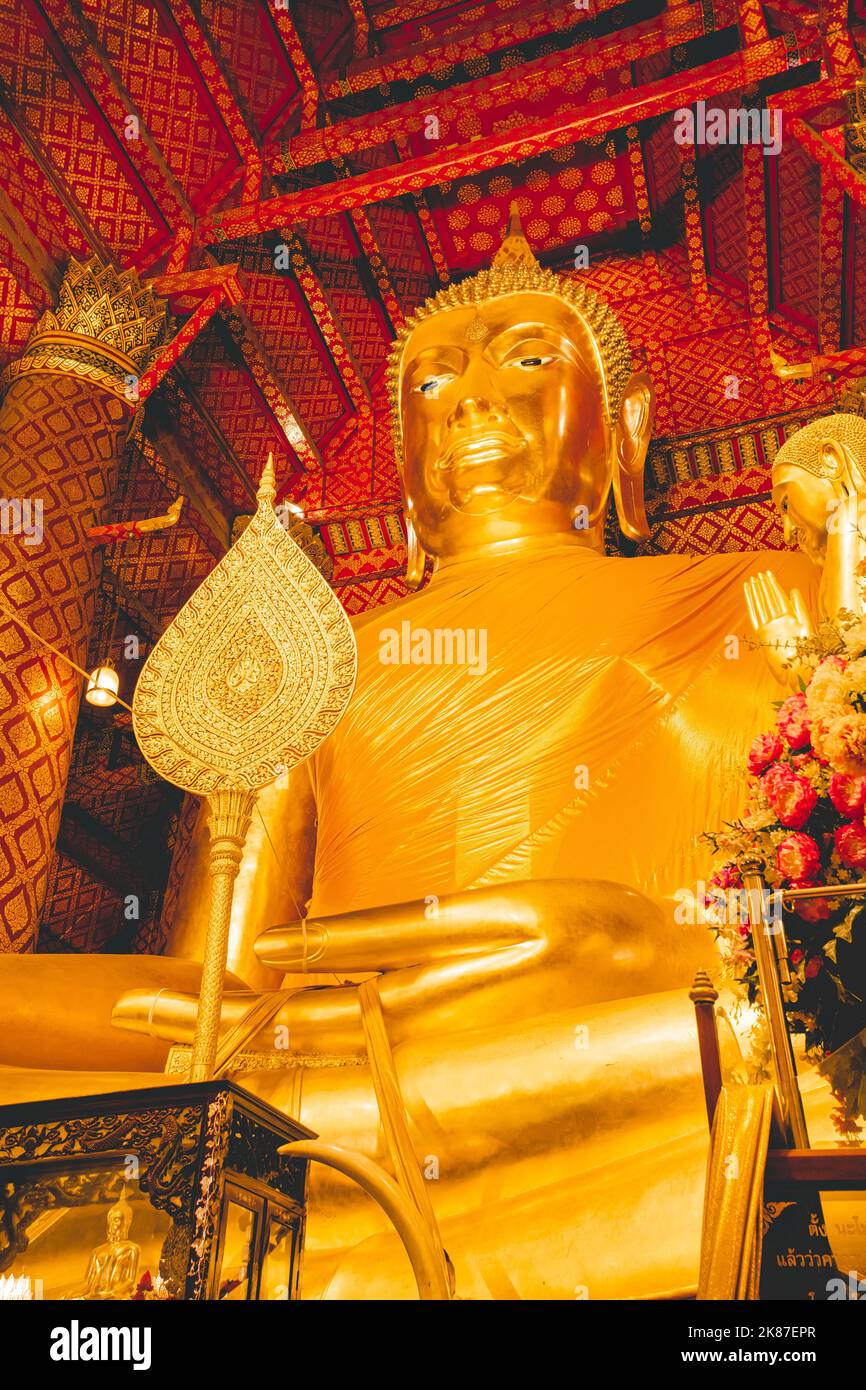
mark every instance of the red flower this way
{"type": "Point", "coordinates": [813, 967]}
{"type": "Point", "coordinates": [791, 796]}
{"type": "Point", "coordinates": [850, 841]}
{"type": "Point", "coordinates": [792, 722]}
{"type": "Point", "coordinates": [797, 955]}
{"type": "Point", "coordinates": [848, 794]}
{"type": "Point", "coordinates": [765, 750]}
{"type": "Point", "coordinates": [812, 910]}
{"type": "Point", "coordinates": [798, 858]}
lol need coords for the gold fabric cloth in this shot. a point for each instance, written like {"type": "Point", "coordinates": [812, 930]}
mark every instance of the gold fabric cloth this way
{"type": "Point", "coordinates": [439, 780]}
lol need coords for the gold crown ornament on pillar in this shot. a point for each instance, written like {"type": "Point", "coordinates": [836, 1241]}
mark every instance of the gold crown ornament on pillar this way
{"type": "Point", "coordinates": [254, 672]}
{"type": "Point", "coordinates": [105, 328]}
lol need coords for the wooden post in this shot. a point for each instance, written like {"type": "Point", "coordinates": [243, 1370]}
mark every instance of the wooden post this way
{"type": "Point", "coordinates": [703, 995]}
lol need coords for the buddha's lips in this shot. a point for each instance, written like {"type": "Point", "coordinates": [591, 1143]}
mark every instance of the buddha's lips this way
{"type": "Point", "coordinates": [480, 448]}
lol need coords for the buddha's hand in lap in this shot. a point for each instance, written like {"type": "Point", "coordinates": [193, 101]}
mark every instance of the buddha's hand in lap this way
{"type": "Point", "coordinates": [779, 621]}
{"type": "Point", "coordinates": [607, 936]}
{"type": "Point", "coordinates": [484, 957]}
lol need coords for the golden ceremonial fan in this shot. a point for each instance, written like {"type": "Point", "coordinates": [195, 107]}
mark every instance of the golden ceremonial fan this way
{"type": "Point", "coordinates": [252, 675]}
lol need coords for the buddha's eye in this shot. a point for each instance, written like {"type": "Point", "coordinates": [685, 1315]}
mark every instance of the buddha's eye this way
{"type": "Point", "coordinates": [530, 364]}
{"type": "Point", "coordinates": [431, 385]}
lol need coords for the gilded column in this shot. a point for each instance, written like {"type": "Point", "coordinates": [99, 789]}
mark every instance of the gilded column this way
{"type": "Point", "coordinates": [66, 410]}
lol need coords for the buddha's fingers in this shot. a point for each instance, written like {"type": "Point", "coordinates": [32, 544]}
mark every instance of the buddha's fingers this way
{"type": "Point", "coordinates": [309, 1021]}
{"type": "Point", "coordinates": [780, 604]}
{"type": "Point", "coordinates": [752, 605]}
{"type": "Point", "coordinates": [801, 612]}
{"type": "Point", "coordinates": [766, 606]}
{"type": "Point", "coordinates": [394, 938]}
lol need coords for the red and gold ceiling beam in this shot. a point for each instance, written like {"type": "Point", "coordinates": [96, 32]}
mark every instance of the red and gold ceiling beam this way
{"type": "Point", "coordinates": [53, 177]}
{"type": "Point", "coordinates": [485, 37]}
{"type": "Point", "coordinates": [209, 65]}
{"type": "Point", "coordinates": [830, 266]}
{"type": "Point", "coordinates": [659, 98]}
{"type": "Point", "coordinates": [116, 105]}
{"type": "Point", "coordinates": [326, 320]}
{"type": "Point", "coordinates": [694, 231]}
{"type": "Point", "coordinates": [361, 38]}
{"type": "Point", "coordinates": [273, 389]}
{"type": "Point", "coordinates": [226, 290]}
{"type": "Point", "coordinates": [835, 168]}
{"type": "Point", "coordinates": [839, 44]}
{"type": "Point", "coordinates": [753, 24]}
{"type": "Point", "coordinates": [536, 79]}
{"type": "Point", "coordinates": [310, 94]}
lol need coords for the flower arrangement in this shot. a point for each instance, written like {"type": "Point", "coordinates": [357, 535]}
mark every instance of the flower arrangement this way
{"type": "Point", "coordinates": [805, 825]}
{"type": "Point", "coordinates": [151, 1287]}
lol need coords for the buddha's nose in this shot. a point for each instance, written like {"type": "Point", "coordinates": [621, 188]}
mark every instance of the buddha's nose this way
{"type": "Point", "coordinates": [474, 408]}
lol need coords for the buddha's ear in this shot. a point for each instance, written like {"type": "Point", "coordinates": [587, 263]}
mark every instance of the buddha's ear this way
{"type": "Point", "coordinates": [416, 556]}
{"type": "Point", "coordinates": [632, 434]}
{"type": "Point", "coordinates": [838, 464]}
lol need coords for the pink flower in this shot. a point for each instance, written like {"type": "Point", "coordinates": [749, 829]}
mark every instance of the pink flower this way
{"type": "Point", "coordinates": [848, 794]}
{"type": "Point", "coordinates": [774, 778]}
{"type": "Point", "coordinates": [728, 876]}
{"type": "Point", "coordinates": [765, 750]}
{"type": "Point", "coordinates": [850, 840]}
{"type": "Point", "coordinates": [792, 722]}
{"type": "Point", "coordinates": [813, 967]}
{"type": "Point", "coordinates": [792, 797]}
{"type": "Point", "coordinates": [798, 857]}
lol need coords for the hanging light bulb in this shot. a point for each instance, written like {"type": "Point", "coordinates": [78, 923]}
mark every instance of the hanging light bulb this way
{"type": "Point", "coordinates": [102, 685]}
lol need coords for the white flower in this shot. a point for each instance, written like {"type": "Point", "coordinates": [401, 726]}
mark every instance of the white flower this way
{"type": "Point", "coordinates": [855, 676]}
{"type": "Point", "coordinates": [760, 819]}
{"type": "Point", "coordinates": [855, 637]}
{"type": "Point", "coordinates": [828, 689]}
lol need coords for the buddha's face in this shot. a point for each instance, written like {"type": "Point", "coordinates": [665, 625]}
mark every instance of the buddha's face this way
{"type": "Point", "coordinates": [503, 420]}
{"type": "Point", "coordinates": [117, 1226]}
{"type": "Point", "coordinates": [805, 503]}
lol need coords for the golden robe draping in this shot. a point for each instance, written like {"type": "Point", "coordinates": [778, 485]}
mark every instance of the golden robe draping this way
{"type": "Point", "coordinates": [606, 732]}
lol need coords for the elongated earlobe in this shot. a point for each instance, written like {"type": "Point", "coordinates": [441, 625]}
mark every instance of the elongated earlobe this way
{"type": "Point", "coordinates": [416, 556]}
{"type": "Point", "coordinates": [633, 433]}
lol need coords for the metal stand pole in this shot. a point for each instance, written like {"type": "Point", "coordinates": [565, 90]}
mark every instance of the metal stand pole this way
{"type": "Point", "coordinates": [768, 957]}
{"type": "Point", "coordinates": [230, 814]}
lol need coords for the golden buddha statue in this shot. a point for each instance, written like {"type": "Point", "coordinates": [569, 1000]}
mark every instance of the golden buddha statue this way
{"type": "Point", "coordinates": [494, 832]}
{"type": "Point", "coordinates": [113, 1266]}
{"type": "Point", "coordinates": [819, 487]}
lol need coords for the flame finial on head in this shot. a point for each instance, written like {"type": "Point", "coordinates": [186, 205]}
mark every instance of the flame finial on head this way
{"type": "Point", "coordinates": [267, 490]}
{"type": "Point", "coordinates": [515, 249]}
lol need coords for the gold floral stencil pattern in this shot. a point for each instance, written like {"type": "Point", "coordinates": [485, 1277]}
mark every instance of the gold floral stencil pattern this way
{"type": "Point", "coordinates": [255, 670]}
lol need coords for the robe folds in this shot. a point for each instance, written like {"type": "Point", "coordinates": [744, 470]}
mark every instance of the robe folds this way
{"type": "Point", "coordinates": [549, 713]}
